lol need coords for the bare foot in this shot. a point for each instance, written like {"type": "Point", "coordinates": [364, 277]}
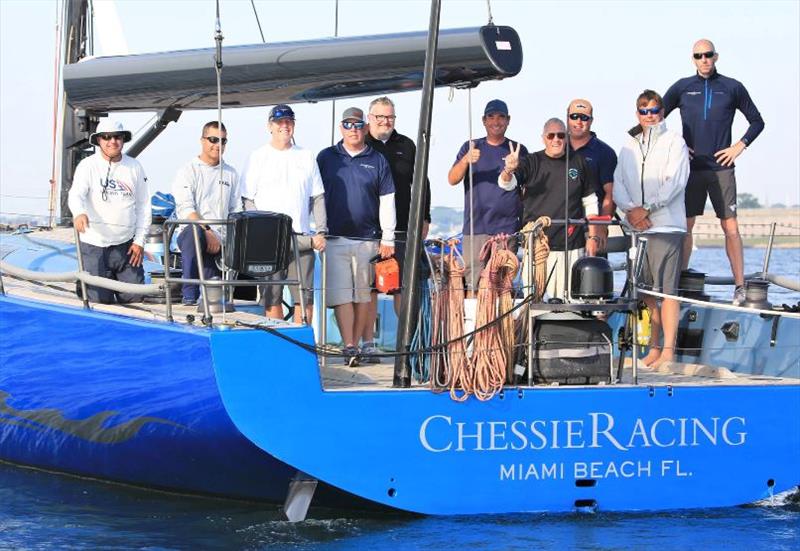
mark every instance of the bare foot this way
{"type": "Point", "coordinates": [652, 356]}
{"type": "Point", "coordinates": [667, 355]}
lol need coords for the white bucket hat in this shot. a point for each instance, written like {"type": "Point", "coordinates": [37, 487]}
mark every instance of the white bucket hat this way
{"type": "Point", "coordinates": [107, 126]}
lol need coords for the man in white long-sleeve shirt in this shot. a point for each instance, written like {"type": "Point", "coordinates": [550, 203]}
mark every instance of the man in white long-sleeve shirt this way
{"type": "Point", "coordinates": [359, 196]}
{"type": "Point", "coordinates": [203, 193]}
{"type": "Point", "coordinates": [283, 177]}
{"type": "Point", "coordinates": [649, 186]}
{"type": "Point", "coordinates": [110, 206]}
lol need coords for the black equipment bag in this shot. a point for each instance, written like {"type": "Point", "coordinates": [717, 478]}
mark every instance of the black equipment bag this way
{"type": "Point", "coordinates": [258, 243]}
{"type": "Point", "coordinates": [570, 349]}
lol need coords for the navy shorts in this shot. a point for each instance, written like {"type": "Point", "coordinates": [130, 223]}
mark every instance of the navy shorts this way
{"type": "Point", "coordinates": [111, 262]}
{"type": "Point", "coordinates": [718, 185]}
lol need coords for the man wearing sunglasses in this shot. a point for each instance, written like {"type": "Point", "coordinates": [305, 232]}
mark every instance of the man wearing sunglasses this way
{"type": "Point", "coordinates": [202, 194]}
{"type": "Point", "coordinates": [488, 209]}
{"type": "Point", "coordinates": [708, 102]}
{"type": "Point", "coordinates": [598, 155]}
{"type": "Point", "coordinates": [110, 204]}
{"type": "Point", "coordinates": [359, 195]}
{"type": "Point", "coordinates": [541, 177]}
{"type": "Point", "coordinates": [281, 176]}
{"type": "Point", "coordinates": [649, 186]}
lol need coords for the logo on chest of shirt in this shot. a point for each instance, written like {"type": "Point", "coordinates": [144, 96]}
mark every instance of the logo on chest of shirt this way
{"type": "Point", "coordinates": [573, 173]}
{"type": "Point", "coordinates": [115, 188]}
{"type": "Point", "coordinates": [693, 93]}
{"type": "Point", "coordinates": [365, 165]}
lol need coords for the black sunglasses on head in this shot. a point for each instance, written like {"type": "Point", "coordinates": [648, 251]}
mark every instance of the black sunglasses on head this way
{"type": "Point", "coordinates": [215, 139]}
{"type": "Point", "coordinates": [701, 55]}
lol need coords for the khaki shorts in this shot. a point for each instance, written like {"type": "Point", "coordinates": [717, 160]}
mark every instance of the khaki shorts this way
{"type": "Point", "coordinates": [349, 273]}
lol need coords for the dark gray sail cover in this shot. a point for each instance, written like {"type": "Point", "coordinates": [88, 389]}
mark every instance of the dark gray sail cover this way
{"type": "Point", "coordinates": [291, 72]}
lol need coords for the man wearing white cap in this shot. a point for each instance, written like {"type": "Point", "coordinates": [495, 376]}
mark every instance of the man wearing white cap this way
{"type": "Point", "coordinates": [110, 206]}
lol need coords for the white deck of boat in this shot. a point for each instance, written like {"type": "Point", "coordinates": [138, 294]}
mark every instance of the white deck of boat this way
{"type": "Point", "coordinates": [336, 377]}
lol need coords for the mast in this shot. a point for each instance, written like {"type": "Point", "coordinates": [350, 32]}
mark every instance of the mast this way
{"type": "Point", "coordinates": [410, 297]}
{"type": "Point", "coordinates": [75, 126]}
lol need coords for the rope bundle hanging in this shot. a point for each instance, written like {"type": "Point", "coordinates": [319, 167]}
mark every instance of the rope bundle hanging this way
{"type": "Point", "coordinates": [494, 345]}
{"type": "Point", "coordinates": [461, 365]}
{"type": "Point", "coordinates": [420, 361]}
{"type": "Point", "coordinates": [541, 250]}
{"type": "Point", "coordinates": [439, 366]}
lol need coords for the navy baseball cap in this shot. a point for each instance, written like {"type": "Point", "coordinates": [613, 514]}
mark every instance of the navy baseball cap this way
{"type": "Point", "coordinates": [281, 112]}
{"type": "Point", "coordinates": [496, 106]}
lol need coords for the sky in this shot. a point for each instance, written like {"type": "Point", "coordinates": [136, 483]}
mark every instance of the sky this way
{"type": "Point", "coordinates": [607, 52]}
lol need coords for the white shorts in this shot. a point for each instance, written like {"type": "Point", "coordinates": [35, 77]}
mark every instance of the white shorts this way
{"type": "Point", "coordinates": [349, 274]}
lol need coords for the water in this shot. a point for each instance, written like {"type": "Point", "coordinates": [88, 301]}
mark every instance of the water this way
{"type": "Point", "coordinates": [41, 510]}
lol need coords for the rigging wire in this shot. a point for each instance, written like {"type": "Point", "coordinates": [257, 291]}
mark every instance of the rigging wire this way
{"type": "Point", "coordinates": [56, 87]}
{"type": "Point", "coordinates": [218, 38]}
{"type": "Point", "coordinates": [333, 102]}
{"type": "Point", "coordinates": [489, 8]}
{"type": "Point", "coordinates": [258, 22]}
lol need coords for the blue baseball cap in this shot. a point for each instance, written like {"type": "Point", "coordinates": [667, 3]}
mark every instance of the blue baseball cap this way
{"type": "Point", "coordinates": [496, 106]}
{"type": "Point", "coordinates": [281, 112]}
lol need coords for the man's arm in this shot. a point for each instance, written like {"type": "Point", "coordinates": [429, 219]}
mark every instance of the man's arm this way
{"type": "Point", "coordinates": [676, 175]}
{"type": "Point", "coordinates": [727, 156]}
{"type": "Point", "coordinates": [671, 99]}
{"type": "Point", "coordinates": [320, 221]}
{"type": "Point", "coordinates": [77, 197]}
{"type": "Point", "coordinates": [467, 155]}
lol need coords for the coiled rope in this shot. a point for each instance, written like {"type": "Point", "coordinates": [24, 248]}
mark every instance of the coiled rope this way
{"type": "Point", "coordinates": [541, 250]}
{"type": "Point", "coordinates": [494, 346]}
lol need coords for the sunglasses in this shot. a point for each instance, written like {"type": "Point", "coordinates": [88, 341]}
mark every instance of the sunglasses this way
{"type": "Point", "coordinates": [652, 110]}
{"type": "Point", "coordinates": [215, 139]}
{"type": "Point", "coordinates": [382, 118]}
{"type": "Point", "coordinates": [580, 117]}
{"type": "Point", "coordinates": [349, 125]}
{"type": "Point", "coordinates": [109, 137]}
{"type": "Point", "coordinates": [554, 135]}
{"type": "Point", "coordinates": [701, 55]}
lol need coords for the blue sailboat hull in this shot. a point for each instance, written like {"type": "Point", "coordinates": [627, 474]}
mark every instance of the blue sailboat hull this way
{"type": "Point", "coordinates": [126, 400]}
{"type": "Point", "coordinates": [541, 449]}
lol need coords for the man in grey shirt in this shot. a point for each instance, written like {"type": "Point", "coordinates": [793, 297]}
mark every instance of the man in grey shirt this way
{"type": "Point", "coordinates": [200, 193]}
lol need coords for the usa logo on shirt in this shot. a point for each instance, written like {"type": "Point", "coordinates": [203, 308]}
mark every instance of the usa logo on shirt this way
{"type": "Point", "coordinates": [573, 173]}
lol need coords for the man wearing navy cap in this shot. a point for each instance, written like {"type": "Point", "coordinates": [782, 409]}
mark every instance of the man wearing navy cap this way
{"type": "Point", "coordinates": [359, 194]}
{"type": "Point", "coordinates": [282, 177]}
{"type": "Point", "coordinates": [490, 209]}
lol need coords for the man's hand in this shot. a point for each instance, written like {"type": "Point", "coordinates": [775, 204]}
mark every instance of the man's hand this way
{"type": "Point", "coordinates": [135, 253]}
{"type": "Point", "coordinates": [473, 154]}
{"type": "Point", "coordinates": [512, 159]}
{"type": "Point", "coordinates": [726, 156]}
{"type": "Point", "coordinates": [81, 223]}
{"type": "Point", "coordinates": [638, 218]}
{"type": "Point", "coordinates": [385, 250]}
{"type": "Point", "coordinates": [212, 242]}
{"type": "Point", "coordinates": [601, 233]}
{"type": "Point", "coordinates": [592, 245]}
{"type": "Point", "coordinates": [318, 242]}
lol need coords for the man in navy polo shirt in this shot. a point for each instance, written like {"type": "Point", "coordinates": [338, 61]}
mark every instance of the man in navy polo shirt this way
{"type": "Point", "coordinates": [359, 200]}
{"type": "Point", "coordinates": [490, 209]}
{"type": "Point", "coordinates": [598, 156]}
{"type": "Point", "coordinates": [708, 102]}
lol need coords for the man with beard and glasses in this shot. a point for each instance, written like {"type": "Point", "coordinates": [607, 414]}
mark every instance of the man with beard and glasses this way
{"type": "Point", "coordinates": [283, 177]}
{"type": "Point", "coordinates": [110, 206]}
{"type": "Point", "coordinates": [649, 186]}
{"type": "Point", "coordinates": [708, 102]}
{"type": "Point", "coordinates": [400, 153]}
{"type": "Point", "coordinates": [203, 193]}
{"type": "Point", "coordinates": [494, 210]}
{"type": "Point", "coordinates": [541, 177]}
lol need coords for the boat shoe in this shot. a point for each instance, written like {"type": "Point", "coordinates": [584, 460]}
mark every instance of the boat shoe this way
{"type": "Point", "coordinates": [350, 356]}
{"type": "Point", "coordinates": [370, 354]}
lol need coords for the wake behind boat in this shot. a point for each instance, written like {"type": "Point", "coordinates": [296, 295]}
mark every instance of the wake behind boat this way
{"type": "Point", "coordinates": [232, 404]}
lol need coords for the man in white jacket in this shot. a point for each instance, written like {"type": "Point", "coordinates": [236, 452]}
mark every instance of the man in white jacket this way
{"type": "Point", "coordinates": [110, 206]}
{"type": "Point", "coordinates": [202, 192]}
{"type": "Point", "coordinates": [649, 186]}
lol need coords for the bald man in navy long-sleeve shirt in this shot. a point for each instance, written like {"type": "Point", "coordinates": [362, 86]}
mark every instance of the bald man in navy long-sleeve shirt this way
{"type": "Point", "coordinates": [708, 102]}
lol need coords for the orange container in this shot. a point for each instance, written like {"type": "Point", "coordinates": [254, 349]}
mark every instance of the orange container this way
{"type": "Point", "coordinates": [387, 276]}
